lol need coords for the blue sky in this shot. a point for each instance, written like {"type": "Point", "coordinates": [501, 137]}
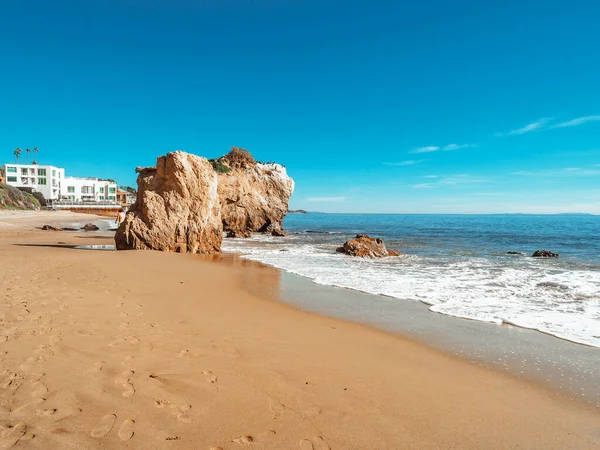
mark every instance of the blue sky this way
{"type": "Point", "coordinates": [380, 106]}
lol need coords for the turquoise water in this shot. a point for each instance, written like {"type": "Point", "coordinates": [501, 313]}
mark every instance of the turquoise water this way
{"type": "Point", "coordinates": [457, 264]}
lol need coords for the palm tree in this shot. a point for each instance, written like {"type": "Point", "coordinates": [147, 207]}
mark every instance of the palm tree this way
{"type": "Point", "coordinates": [17, 152]}
{"type": "Point", "coordinates": [27, 152]}
{"type": "Point", "coordinates": [35, 150]}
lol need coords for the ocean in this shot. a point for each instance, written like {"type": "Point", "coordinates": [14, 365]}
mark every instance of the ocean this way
{"type": "Point", "coordinates": [456, 264]}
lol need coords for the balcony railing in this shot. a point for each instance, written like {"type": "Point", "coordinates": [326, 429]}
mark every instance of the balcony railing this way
{"type": "Point", "coordinates": [83, 203]}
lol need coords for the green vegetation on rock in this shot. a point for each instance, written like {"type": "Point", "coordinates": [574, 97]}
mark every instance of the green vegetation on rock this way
{"type": "Point", "coordinates": [13, 198]}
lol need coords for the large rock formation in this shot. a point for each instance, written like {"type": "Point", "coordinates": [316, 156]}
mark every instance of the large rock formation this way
{"type": "Point", "coordinates": [177, 208]}
{"type": "Point", "coordinates": [365, 246]}
{"type": "Point", "coordinates": [254, 196]}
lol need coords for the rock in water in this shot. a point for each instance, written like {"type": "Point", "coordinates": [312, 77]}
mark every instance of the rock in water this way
{"type": "Point", "coordinates": [51, 228]}
{"type": "Point", "coordinates": [90, 227]}
{"type": "Point", "coordinates": [278, 232]}
{"type": "Point", "coordinates": [177, 208]}
{"type": "Point", "coordinates": [366, 246]}
{"type": "Point", "coordinates": [254, 196]}
{"type": "Point", "coordinates": [544, 254]}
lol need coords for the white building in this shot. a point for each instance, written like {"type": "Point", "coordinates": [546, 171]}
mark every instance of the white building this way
{"type": "Point", "coordinates": [88, 189]}
{"type": "Point", "coordinates": [45, 179]}
{"type": "Point", "coordinates": [54, 185]}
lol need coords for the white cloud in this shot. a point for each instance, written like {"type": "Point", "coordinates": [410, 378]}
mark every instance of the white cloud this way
{"type": "Point", "coordinates": [410, 162]}
{"type": "Point", "coordinates": [527, 128]}
{"type": "Point", "coordinates": [431, 176]}
{"type": "Point", "coordinates": [450, 147]}
{"type": "Point", "coordinates": [451, 180]}
{"type": "Point", "coordinates": [569, 171]}
{"type": "Point", "coordinates": [326, 199]}
{"type": "Point", "coordinates": [578, 121]}
{"type": "Point", "coordinates": [428, 149]}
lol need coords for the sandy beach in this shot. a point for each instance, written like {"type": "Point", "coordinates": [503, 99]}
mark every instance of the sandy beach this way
{"type": "Point", "coordinates": [141, 349]}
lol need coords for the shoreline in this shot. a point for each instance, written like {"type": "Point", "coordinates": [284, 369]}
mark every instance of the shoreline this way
{"type": "Point", "coordinates": [179, 350]}
{"type": "Point", "coordinates": [557, 364]}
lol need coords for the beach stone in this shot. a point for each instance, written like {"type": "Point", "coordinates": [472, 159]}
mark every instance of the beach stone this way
{"type": "Point", "coordinates": [51, 228]}
{"type": "Point", "coordinates": [365, 246]}
{"type": "Point", "coordinates": [544, 254]}
{"type": "Point", "coordinates": [177, 208]}
{"type": "Point", "coordinates": [90, 227]}
{"type": "Point", "coordinates": [254, 196]}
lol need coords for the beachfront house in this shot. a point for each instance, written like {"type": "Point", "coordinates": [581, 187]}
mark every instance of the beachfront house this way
{"type": "Point", "coordinates": [56, 187]}
{"type": "Point", "coordinates": [88, 190]}
{"type": "Point", "coordinates": [36, 178]}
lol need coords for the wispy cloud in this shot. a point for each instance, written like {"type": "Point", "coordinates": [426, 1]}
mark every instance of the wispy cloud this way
{"type": "Point", "coordinates": [437, 148]}
{"type": "Point", "coordinates": [451, 180]}
{"type": "Point", "coordinates": [578, 121]}
{"type": "Point", "coordinates": [535, 126]}
{"type": "Point", "coordinates": [326, 199]}
{"type": "Point", "coordinates": [451, 147]}
{"type": "Point", "coordinates": [565, 171]}
{"type": "Point", "coordinates": [427, 149]}
{"type": "Point", "coordinates": [410, 162]}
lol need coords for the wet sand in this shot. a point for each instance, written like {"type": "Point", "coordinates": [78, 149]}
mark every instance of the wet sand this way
{"type": "Point", "coordinates": [104, 349]}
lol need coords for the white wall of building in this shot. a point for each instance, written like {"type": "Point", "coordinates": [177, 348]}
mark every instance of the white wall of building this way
{"type": "Point", "coordinates": [54, 185]}
{"type": "Point", "coordinates": [88, 189]}
{"type": "Point", "coordinates": [45, 179]}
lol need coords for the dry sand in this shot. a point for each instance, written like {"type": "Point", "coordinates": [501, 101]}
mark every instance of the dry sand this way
{"type": "Point", "coordinates": [153, 350]}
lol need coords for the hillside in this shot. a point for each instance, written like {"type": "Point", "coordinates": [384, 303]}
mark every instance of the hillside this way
{"type": "Point", "coordinates": [12, 198]}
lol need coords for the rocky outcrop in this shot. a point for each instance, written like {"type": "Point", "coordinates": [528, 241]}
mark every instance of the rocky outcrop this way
{"type": "Point", "coordinates": [278, 232]}
{"type": "Point", "coordinates": [90, 227]}
{"type": "Point", "coordinates": [365, 246]}
{"type": "Point", "coordinates": [13, 198]}
{"type": "Point", "coordinates": [254, 196]}
{"type": "Point", "coordinates": [177, 208]}
{"type": "Point", "coordinates": [544, 254]}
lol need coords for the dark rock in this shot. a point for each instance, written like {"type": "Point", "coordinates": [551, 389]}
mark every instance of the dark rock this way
{"type": "Point", "coordinates": [365, 246]}
{"type": "Point", "coordinates": [51, 228]}
{"type": "Point", "coordinates": [544, 254]}
{"type": "Point", "coordinates": [90, 227]}
{"type": "Point", "coordinates": [278, 232]}
{"type": "Point", "coordinates": [515, 253]}
{"type": "Point", "coordinates": [238, 233]}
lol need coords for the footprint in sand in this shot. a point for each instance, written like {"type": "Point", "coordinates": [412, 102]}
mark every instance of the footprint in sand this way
{"type": "Point", "coordinates": [184, 353]}
{"type": "Point", "coordinates": [12, 435]}
{"type": "Point", "coordinates": [126, 431]}
{"type": "Point", "coordinates": [106, 424]}
{"type": "Point", "coordinates": [244, 440]}
{"type": "Point", "coordinates": [316, 443]}
{"type": "Point", "coordinates": [183, 415]}
{"type": "Point", "coordinates": [45, 412]}
{"type": "Point", "coordinates": [276, 407]}
{"type": "Point", "coordinates": [124, 377]}
{"type": "Point", "coordinates": [40, 391]}
{"type": "Point", "coordinates": [129, 390]}
{"type": "Point", "coordinates": [54, 340]}
{"type": "Point", "coordinates": [210, 377]}
{"type": "Point", "coordinates": [128, 361]}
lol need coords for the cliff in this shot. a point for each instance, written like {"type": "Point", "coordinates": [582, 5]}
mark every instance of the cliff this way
{"type": "Point", "coordinates": [13, 198]}
{"type": "Point", "coordinates": [186, 202]}
{"type": "Point", "coordinates": [254, 196]}
{"type": "Point", "coordinates": [177, 208]}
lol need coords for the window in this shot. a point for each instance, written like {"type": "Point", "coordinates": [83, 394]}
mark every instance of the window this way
{"type": "Point", "coordinates": [101, 197]}
{"type": "Point", "coordinates": [11, 179]}
{"type": "Point", "coordinates": [11, 170]}
{"type": "Point", "coordinates": [71, 189]}
{"type": "Point", "coordinates": [87, 190]}
{"type": "Point", "coordinates": [102, 190]}
{"type": "Point", "coordinates": [54, 173]}
{"type": "Point", "coordinates": [41, 181]}
{"type": "Point", "coordinates": [111, 197]}
{"type": "Point", "coordinates": [42, 172]}
{"type": "Point", "coordinates": [112, 190]}
{"type": "Point", "coordinates": [23, 171]}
